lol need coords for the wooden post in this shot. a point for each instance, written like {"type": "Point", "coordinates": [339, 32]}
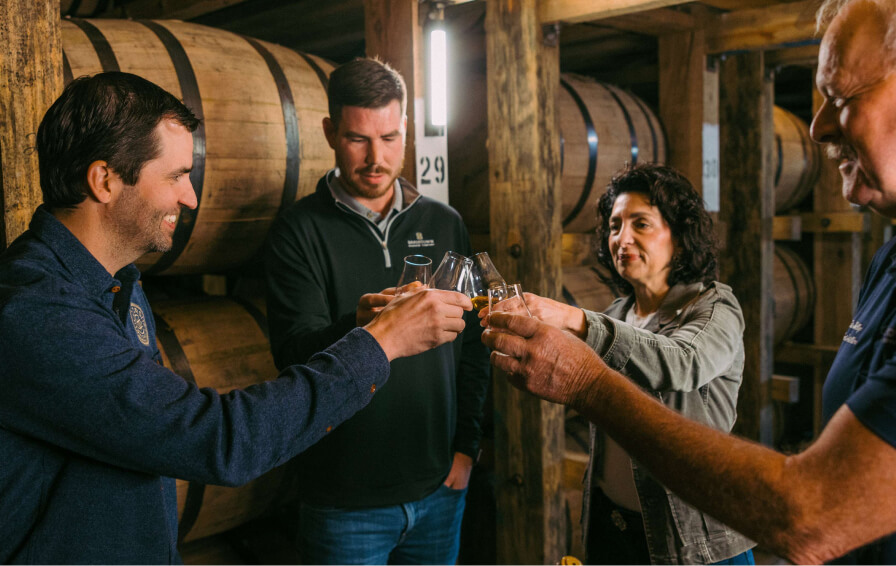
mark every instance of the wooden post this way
{"type": "Point", "coordinates": [30, 80]}
{"type": "Point", "coordinates": [746, 133]}
{"type": "Point", "coordinates": [682, 64]}
{"type": "Point", "coordinates": [392, 32]}
{"type": "Point", "coordinates": [524, 173]}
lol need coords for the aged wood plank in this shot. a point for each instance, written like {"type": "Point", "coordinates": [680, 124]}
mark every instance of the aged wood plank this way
{"type": "Point", "coordinates": [787, 227]}
{"type": "Point", "coordinates": [571, 11]}
{"type": "Point", "coordinates": [747, 206]}
{"type": "Point", "coordinates": [524, 173]}
{"type": "Point", "coordinates": [682, 64]}
{"type": "Point", "coordinates": [30, 80]}
{"type": "Point", "coordinates": [392, 33]}
{"type": "Point", "coordinates": [782, 24]}
{"type": "Point", "coordinates": [653, 22]}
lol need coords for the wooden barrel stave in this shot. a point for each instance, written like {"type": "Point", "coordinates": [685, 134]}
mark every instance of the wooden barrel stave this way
{"type": "Point", "coordinates": [221, 343]}
{"type": "Point", "coordinates": [602, 129]}
{"type": "Point", "coordinates": [794, 294]}
{"type": "Point", "coordinates": [247, 147]}
{"type": "Point", "coordinates": [797, 160]}
{"type": "Point", "coordinates": [614, 116]}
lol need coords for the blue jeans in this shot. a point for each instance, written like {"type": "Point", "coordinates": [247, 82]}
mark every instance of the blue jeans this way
{"type": "Point", "coordinates": [426, 531]}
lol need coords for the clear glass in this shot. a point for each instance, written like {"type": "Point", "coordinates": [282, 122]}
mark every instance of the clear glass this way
{"type": "Point", "coordinates": [507, 298]}
{"type": "Point", "coordinates": [453, 274]}
{"type": "Point", "coordinates": [416, 268]}
{"type": "Point", "coordinates": [483, 275]}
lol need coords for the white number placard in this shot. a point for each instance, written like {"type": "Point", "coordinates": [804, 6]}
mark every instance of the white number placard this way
{"type": "Point", "coordinates": [432, 159]}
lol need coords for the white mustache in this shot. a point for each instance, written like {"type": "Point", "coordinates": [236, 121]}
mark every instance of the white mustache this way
{"type": "Point", "coordinates": [839, 152]}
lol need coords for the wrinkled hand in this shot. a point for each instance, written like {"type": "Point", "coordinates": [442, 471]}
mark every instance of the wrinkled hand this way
{"type": "Point", "coordinates": [557, 314]}
{"type": "Point", "coordinates": [544, 360]}
{"type": "Point", "coordinates": [416, 322]}
{"type": "Point", "coordinates": [459, 476]}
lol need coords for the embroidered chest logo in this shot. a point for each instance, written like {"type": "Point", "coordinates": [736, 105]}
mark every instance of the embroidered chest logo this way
{"type": "Point", "coordinates": [852, 334]}
{"type": "Point", "coordinates": [421, 242]}
{"type": "Point", "coordinates": [139, 322]}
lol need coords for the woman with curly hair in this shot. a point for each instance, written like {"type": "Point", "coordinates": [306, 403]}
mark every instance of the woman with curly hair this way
{"type": "Point", "coordinates": [676, 332]}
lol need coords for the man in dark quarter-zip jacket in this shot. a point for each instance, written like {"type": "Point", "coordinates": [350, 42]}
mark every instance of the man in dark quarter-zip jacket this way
{"type": "Point", "coordinates": [389, 484]}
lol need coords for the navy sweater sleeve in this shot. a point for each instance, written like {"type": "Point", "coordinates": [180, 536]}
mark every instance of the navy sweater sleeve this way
{"type": "Point", "coordinates": [72, 379]}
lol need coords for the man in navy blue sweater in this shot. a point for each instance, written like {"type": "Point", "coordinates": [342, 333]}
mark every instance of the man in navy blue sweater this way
{"type": "Point", "coordinates": [92, 427]}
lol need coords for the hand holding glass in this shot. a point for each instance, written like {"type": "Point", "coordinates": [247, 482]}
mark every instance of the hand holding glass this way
{"type": "Point", "coordinates": [507, 299]}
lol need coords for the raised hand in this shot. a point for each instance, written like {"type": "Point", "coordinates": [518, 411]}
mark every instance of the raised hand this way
{"type": "Point", "coordinates": [416, 322]}
{"type": "Point", "coordinates": [557, 314]}
{"type": "Point", "coordinates": [544, 360]}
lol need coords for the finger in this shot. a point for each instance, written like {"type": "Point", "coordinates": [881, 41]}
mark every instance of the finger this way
{"type": "Point", "coordinates": [507, 344]}
{"type": "Point", "coordinates": [453, 298]}
{"type": "Point", "coordinates": [524, 326]}
{"type": "Point", "coordinates": [509, 365]}
{"type": "Point", "coordinates": [376, 300]}
{"type": "Point", "coordinates": [389, 291]}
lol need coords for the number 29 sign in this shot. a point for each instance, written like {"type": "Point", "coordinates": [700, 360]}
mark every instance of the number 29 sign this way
{"type": "Point", "coordinates": [432, 167]}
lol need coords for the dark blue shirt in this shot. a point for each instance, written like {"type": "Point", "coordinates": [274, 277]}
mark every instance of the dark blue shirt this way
{"type": "Point", "coordinates": [863, 374]}
{"type": "Point", "coordinates": [93, 428]}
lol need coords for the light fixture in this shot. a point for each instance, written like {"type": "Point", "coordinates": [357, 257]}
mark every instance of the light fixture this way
{"type": "Point", "coordinates": [438, 76]}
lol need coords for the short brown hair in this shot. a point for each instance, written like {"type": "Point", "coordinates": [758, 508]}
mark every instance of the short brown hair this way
{"type": "Point", "coordinates": [366, 83]}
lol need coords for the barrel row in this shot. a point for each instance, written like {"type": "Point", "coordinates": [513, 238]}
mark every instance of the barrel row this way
{"type": "Point", "coordinates": [603, 127]}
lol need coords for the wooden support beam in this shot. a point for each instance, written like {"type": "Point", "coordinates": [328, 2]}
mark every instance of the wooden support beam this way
{"type": "Point", "coordinates": [785, 389]}
{"type": "Point", "coordinates": [572, 11]}
{"type": "Point", "coordinates": [392, 33]}
{"type": "Point", "coordinates": [682, 66]}
{"type": "Point", "coordinates": [802, 56]}
{"type": "Point", "coordinates": [778, 25]}
{"type": "Point", "coordinates": [746, 132]}
{"type": "Point", "coordinates": [787, 227]}
{"type": "Point", "coordinates": [655, 22]}
{"type": "Point", "coordinates": [524, 176]}
{"type": "Point", "coordinates": [30, 80]}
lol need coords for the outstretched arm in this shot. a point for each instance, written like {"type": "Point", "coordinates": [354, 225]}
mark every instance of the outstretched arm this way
{"type": "Point", "coordinates": [809, 508]}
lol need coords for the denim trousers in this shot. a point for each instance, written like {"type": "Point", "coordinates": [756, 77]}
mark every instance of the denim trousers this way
{"type": "Point", "coordinates": [426, 531]}
{"type": "Point", "coordinates": [616, 536]}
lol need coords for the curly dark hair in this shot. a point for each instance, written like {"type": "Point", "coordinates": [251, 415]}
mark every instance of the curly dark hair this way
{"type": "Point", "coordinates": [682, 209]}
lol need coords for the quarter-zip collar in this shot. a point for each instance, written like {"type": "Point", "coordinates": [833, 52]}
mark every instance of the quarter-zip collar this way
{"type": "Point", "coordinates": [405, 194]}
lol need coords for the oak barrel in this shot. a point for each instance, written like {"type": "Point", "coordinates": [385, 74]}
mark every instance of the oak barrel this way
{"type": "Point", "coordinates": [602, 127]}
{"type": "Point", "coordinates": [260, 146]}
{"type": "Point", "coordinates": [221, 343]}
{"type": "Point", "coordinates": [797, 160]}
{"type": "Point", "coordinates": [794, 293]}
